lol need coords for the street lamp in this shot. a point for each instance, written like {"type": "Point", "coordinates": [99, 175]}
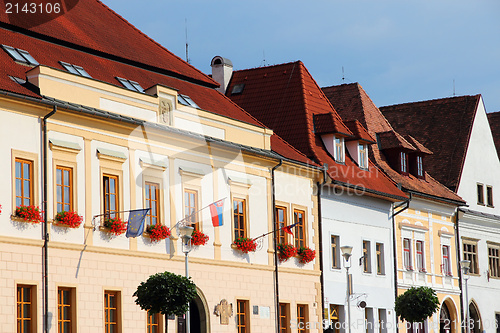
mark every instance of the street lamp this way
{"type": "Point", "coordinates": [346, 253]}
{"type": "Point", "coordinates": [186, 233]}
{"type": "Point", "coordinates": [465, 265]}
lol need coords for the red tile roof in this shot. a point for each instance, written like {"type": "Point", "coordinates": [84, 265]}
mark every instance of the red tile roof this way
{"type": "Point", "coordinates": [286, 98]}
{"type": "Point", "coordinates": [352, 102]}
{"type": "Point", "coordinates": [494, 120]}
{"type": "Point", "coordinates": [329, 123]}
{"type": "Point", "coordinates": [91, 26]}
{"type": "Point", "coordinates": [418, 146]}
{"type": "Point", "coordinates": [442, 125]}
{"type": "Point", "coordinates": [360, 133]}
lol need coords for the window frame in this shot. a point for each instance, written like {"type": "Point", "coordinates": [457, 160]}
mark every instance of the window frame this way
{"type": "Point", "coordinates": [407, 260]}
{"type": "Point", "coordinates": [242, 316]}
{"type": "Point", "coordinates": [339, 148]}
{"type": "Point", "coordinates": [72, 308]}
{"type": "Point", "coordinates": [419, 256]}
{"type": "Point", "coordinates": [148, 203]}
{"type": "Point", "coordinates": [150, 325]}
{"type": "Point", "coordinates": [489, 196]}
{"type": "Point", "coordinates": [300, 235]}
{"type": "Point", "coordinates": [30, 198]}
{"type": "Point", "coordinates": [284, 317]}
{"type": "Point", "coordinates": [240, 228]}
{"type": "Point", "coordinates": [281, 235]}
{"type": "Point", "coordinates": [420, 166]}
{"type": "Point", "coordinates": [190, 191]}
{"type": "Point", "coordinates": [107, 309]}
{"type": "Point", "coordinates": [302, 318]}
{"type": "Point", "coordinates": [480, 193]}
{"type": "Point", "coordinates": [70, 186]}
{"type": "Point", "coordinates": [471, 255]}
{"type": "Point", "coordinates": [367, 265]}
{"type": "Point", "coordinates": [403, 162]}
{"type": "Point", "coordinates": [380, 255]}
{"type": "Point", "coordinates": [446, 260]}
{"type": "Point", "coordinates": [363, 155]}
{"type": "Point", "coordinates": [107, 213]}
{"type": "Point", "coordinates": [493, 272]}
{"type": "Point", "coordinates": [335, 251]}
{"type": "Point", "coordinates": [33, 307]}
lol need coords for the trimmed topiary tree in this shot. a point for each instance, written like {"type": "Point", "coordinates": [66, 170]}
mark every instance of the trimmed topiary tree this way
{"type": "Point", "coordinates": [166, 293]}
{"type": "Point", "coordinates": [416, 304]}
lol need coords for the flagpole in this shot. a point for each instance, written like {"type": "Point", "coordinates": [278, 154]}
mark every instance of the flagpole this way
{"type": "Point", "coordinates": [111, 213]}
{"type": "Point", "coordinates": [194, 213]}
{"type": "Point", "coordinates": [270, 232]}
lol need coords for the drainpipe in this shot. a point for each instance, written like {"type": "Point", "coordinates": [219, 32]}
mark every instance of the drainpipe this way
{"type": "Point", "coordinates": [320, 235]}
{"type": "Point", "coordinates": [457, 244]}
{"type": "Point", "coordinates": [275, 244]}
{"type": "Point", "coordinates": [406, 203]}
{"type": "Point", "coordinates": [44, 231]}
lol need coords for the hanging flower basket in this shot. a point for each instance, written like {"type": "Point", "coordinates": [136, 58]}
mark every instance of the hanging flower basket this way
{"type": "Point", "coordinates": [245, 245]}
{"type": "Point", "coordinates": [198, 238]}
{"type": "Point", "coordinates": [157, 232]}
{"type": "Point", "coordinates": [70, 219]}
{"type": "Point", "coordinates": [115, 225]}
{"type": "Point", "coordinates": [286, 251]}
{"type": "Point", "coordinates": [306, 254]}
{"type": "Point", "coordinates": [29, 213]}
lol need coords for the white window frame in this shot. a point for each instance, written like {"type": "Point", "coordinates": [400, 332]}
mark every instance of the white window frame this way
{"type": "Point", "coordinates": [339, 148]}
{"type": "Point", "coordinates": [363, 155]}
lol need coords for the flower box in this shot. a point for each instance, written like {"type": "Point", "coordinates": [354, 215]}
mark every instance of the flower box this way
{"type": "Point", "coordinates": [68, 219]}
{"type": "Point", "coordinates": [245, 245]}
{"type": "Point", "coordinates": [198, 238]}
{"type": "Point", "coordinates": [286, 251]}
{"type": "Point", "coordinates": [115, 225]}
{"type": "Point", "coordinates": [29, 213]}
{"type": "Point", "coordinates": [157, 232]}
{"type": "Point", "coordinates": [306, 254]}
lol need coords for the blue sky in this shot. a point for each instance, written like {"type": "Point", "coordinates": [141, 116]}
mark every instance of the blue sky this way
{"type": "Point", "coordinates": [399, 51]}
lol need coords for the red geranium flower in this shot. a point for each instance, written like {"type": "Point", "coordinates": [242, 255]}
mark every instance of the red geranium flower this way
{"type": "Point", "coordinates": [29, 213]}
{"type": "Point", "coordinates": [71, 219]}
{"type": "Point", "coordinates": [116, 225]}
{"type": "Point", "coordinates": [286, 251]}
{"type": "Point", "coordinates": [245, 245]}
{"type": "Point", "coordinates": [306, 254]}
{"type": "Point", "coordinates": [157, 232]}
{"type": "Point", "coordinates": [199, 238]}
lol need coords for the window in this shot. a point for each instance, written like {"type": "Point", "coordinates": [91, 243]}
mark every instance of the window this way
{"type": "Point", "coordinates": [339, 149]}
{"type": "Point", "coordinates": [153, 323]}
{"type": "Point", "coordinates": [480, 194]}
{"type": "Point", "coordinates": [419, 248]}
{"type": "Point", "coordinates": [65, 310]}
{"type": "Point", "coordinates": [20, 55]}
{"type": "Point", "coordinates": [489, 196]}
{"type": "Point", "coordinates": [382, 321]}
{"type": "Point", "coordinates": [284, 318]}
{"type": "Point", "coordinates": [64, 189]}
{"type": "Point", "coordinates": [420, 166]}
{"type": "Point", "coordinates": [280, 224]}
{"type": "Point", "coordinates": [369, 320]}
{"type": "Point", "coordinates": [302, 318]}
{"type": "Point", "coordinates": [152, 194]}
{"type": "Point", "coordinates": [74, 69]}
{"type": "Point", "coordinates": [299, 236]}
{"type": "Point", "coordinates": [26, 309]}
{"type": "Point", "coordinates": [363, 156]}
{"type": "Point", "coordinates": [470, 253]}
{"type": "Point", "coordinates": [335, 240]}
{"type": "Point", "coordinates": [239, 216]}
{"type": "Point", "coordinates": [191, 207]}
{"type": "Point", "coordinates": [237, 89]}
{"type": "Point", "coordinates": [242, 316]}
{"type": "Point", "coordinates": [403, 166]}
{"type": "Point", "coordinates": [407, 254]}
{"type": "Point", "coordinates": [111, 311]}
{"type": "Point", "coordinates": [334, 318]}
{"type": "Point", "coordinates": [366, 257]}
{"type": "Point", "coordinates": [24, 182]}
{"type": "Point", "coordinates": [497, 322]}
{"type": "Point", "coordinates": [131, 85]}
{"type": "Point", "coordinates": [446, 269]}
{"type": "Point", "coordinates": [494, 260]}
{"type": "Point", "coordinates": [110, 184]}
{"type": "Point", "coordinates": [187, 101]}
{"type": "Point", "coordinates": [379, 248]}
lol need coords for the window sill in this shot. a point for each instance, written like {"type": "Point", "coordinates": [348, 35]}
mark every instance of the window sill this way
{"type": "Point", "coordinates": [57, 224]}
{"type": "Point", "coordinates": [20, 219]}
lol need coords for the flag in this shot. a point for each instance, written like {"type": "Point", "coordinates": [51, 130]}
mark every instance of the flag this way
{"type": "Point", "coordinates": [216, 209]}
{"type": "Point", "coordinates": [135, 225]}
{"type": "Point", "coordinates": [288, 229]}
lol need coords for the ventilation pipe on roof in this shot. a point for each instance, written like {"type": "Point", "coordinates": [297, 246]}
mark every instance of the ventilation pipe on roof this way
{"type": "Point", "coordinates": [222, 70]}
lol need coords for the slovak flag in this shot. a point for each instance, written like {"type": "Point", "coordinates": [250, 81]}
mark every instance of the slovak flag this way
{"type": "Point", "coordinates": [288, 229]}
{"type": "Point", "coordinates": [216, 209]}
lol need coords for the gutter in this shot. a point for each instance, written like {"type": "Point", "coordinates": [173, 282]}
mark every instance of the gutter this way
{"type": "Point", "coordinates": [367, 190]}
{"type": "Point", "coordinates": [275, 245]}
{"type": "Point", "coordinates": [320, 235]}
{"type": "Point", "coordinates": [45, 254]}
{"type": "Point", "coordinates": [458, 253]}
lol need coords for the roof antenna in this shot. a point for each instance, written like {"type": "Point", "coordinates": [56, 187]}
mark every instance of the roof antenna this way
{"type": "Point", "coordinates": [343, 76]}
{"type": "Point", "coordinates": [187, 45]}
{"type": "Point", "coordinates": [264, 58]}
{"type": "Point", "coordinates": [453, 87]}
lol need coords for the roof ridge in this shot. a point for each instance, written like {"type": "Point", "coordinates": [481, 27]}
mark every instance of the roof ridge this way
{"type": "Point", "coordinates": [152, 40]}
{"type": "Point", "coordinates": [430, 100]}
{"type": "Point", "coordinates": [362, 90]}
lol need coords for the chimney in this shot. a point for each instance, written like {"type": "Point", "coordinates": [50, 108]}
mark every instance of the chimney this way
{"type": "Point", "coordinates": [222, 70]}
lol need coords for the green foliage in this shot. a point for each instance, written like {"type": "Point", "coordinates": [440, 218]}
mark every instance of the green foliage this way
{"type": "Point", "coordinates": [166, 293]}
{"type": "Point", "coordinates": [416, 304]}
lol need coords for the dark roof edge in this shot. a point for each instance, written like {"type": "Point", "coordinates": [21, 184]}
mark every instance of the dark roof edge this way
{"type": "Point", "coordinates": [479, 214]}
{"type": "Point", "coordinates": [134, 121]}
{"type": "Point", "coordinates": [364, 189]}
{"type": "Point", "coordinates": [105, 55]}
{"type": "Point", "coordinates": [436, 198]}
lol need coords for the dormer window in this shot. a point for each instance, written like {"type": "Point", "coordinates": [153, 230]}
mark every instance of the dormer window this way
{"type": "Point", "coordinates": [74, 69]}
{"type": "Point", "coordinates": [131, 85]}
{"type": "Point", "coordinates": [403, 162]}
{"type": "Point", "coordinates": [187, 101]}
{"type": "Point", "coordinates": [420, 166]}
{"type": "Point", "coordinates": [363, 156]}
{"type": "Point", "coordinates": [339, 152]}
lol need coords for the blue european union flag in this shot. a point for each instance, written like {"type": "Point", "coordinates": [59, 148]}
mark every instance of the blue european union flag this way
{"type": "Point", "coordinates": [135, 225]}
